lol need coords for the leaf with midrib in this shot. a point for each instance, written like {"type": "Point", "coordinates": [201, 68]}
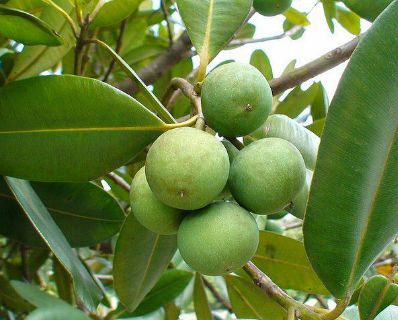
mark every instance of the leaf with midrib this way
{"type": "Point", "coordinates": [212, 23]}
{"type": "Point", "coordinates": [73, 206]}
{"type": "Point", "coordinates": [200, 302]}
{"type": "Point", "coordinates": [86, 288]}
{"type": "Point", "coordinates": [141, 257]}
{"type": "Point", "coordinates": [284, 260]}
{"type": "Point", "coordinates": [25, 28]}
{"type": "Point", "coordinates": [70, 129]}
{"type": "Point", "coordinates": [352, 210]}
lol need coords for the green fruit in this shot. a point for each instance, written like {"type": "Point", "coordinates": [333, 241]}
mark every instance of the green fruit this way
{"type": "Point", "coordinates": [149, 211]}
{"type": "Point", "coordinates": [279, 215]}
{"type": "Point", "coordinates": [187, 168]}
{"type": "Point", "coordinates": [267, 175]}
{"type": "Point", "coordinates": [368, 9]}
{"type": "Point", "coordinates": [271, 7]}
{"type": "Point", "coordinates": [218, 239]}
{"type": "Point", "coordinates": [236, 99]}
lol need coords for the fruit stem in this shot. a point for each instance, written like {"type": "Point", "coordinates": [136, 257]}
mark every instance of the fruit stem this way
{"type": "Point", "coordinates": [262, 281]}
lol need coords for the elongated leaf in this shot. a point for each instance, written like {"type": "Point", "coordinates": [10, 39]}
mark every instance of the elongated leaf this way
{"type": "Point", "coordinates": [329, 8]}
{"type": "Point", "coordinates": [368, 9]}
{"type": "Point", "coordinates": [352, 210]}
{"type": "Point", "coordinates": [59, 313]}
{"type": "Point", "coordinates": [283, 127]}
{"type": "Point", "coordinates": [78, 130]}
{"type": "Point", "coordinates": [349, 20]}
{"type": "Point", "coordinates": [261, 61]}
{"type": "Point", "coordinates": [170, 286]}
{"type": "Point", "coordinates": [33, 60]}
{"type": "Point", "coordinates": [115, 11]}
{"type": "Point", "coordinates": [10, 298]}
{"type": "Point", "coordinates": [86, 289]}
{"type": "Point", "coordinates": [376, 295]}
{"type": "Point", "coordinates": [212, 23]}
{"type": "Point", "coordinates": [249, 302]}
{"type": "Point", "coordinates": [200, 302]}
{"type": "Point", "coordinates": [140, 259]}
{"type": "Point", "coordinates": [284, 260]}
{"type": "Point", "coordinates": [26, 28]}
{"type": "Point", "coordinates": [35, 296]}
{"type": "Point", "coordinates": [74, 208]}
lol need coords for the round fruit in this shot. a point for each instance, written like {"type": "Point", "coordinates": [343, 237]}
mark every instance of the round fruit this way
{"type": "Point", "coordinates": [236, 99]}
{"type": "Point", "coordinates": [218, 239]}
{"type": "Point", "coordinates": [267, 175]}
{"type": "Point", "coordinates": [149, 211]}
{"type": "Point", "coordinates": [187, 168]}
{"type": "Point", "coordinates": [271, 7]}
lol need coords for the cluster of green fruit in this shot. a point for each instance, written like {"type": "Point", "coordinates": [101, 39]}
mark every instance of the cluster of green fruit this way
{"type": "Point", "coordinates": [186, 171]}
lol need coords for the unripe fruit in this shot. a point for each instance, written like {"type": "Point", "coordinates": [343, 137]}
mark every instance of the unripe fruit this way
{"type": "Point", "coordinates": [271, 7]}
{"type": "Point", "coordinates": [267, 175]}
{"type": "Point", "coordinates": [218, 239]}
{"type": "Point", "coordinates": [151, 212]}
{"type": "Point", "coordinates": [236, 99]}
{"type": "Point", "coordinates": [187, 168]}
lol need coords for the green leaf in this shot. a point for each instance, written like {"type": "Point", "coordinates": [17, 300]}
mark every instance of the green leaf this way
{"type": "Point", "coordinates": [284, 260]}
{"type": "Point", "coordinates": [59, 313]}
{"type": "Point", "coordinates": [10, 298]}
{"type": "Point", "coordinates": [34, 60]}
{"type": "Point", "coordinates": [317, 127]}
{"type": "Point", "coordinates": [376, 295]}
{"type": "Point", "coordinates": [200, 302]}
{"type": "Point", "coordinates": [283, 127]}
{"type": "Point", "coordinates": [296, 17]}
{"type": "Point", "coordinates": [261, 61]}
{"type": "Point", "coordinates": [141, 257]}
{"type": "Point", "coordinates": [349, 20]}
{"type": "Point", "coordinates": [86, 289]}
{"type": "Point", "coordinates": [115, 11]}
{"type": "Point", "coordinates": [70, 134]}
{"type": "Point", "coordinates": [26, 28]}
{"type": "Point", "coordinates": [329, 8]}
{"type": "Point", "coordinates": [170, 286]}
{"type": "Point", "coordinates": [35, 296]}
{"type": "Point", "coordinates": [352, 210]}
{"type": "Point", "coordinates": [249, 302]}
{"type": "Point", "coordinates": [297, 100]}
{"type": "Point", "coordinates": [212, 23]}
{"type": "Point", "coordinates": [7, 59]}
{"type": "Point", "coordinates": [74, 207]}
{"type": "Point", "coordinates": [63, 281]}
{"type": "Point", "coordinates": [320, 104]}
{"type": "Point", "coordinates": [368, 9]}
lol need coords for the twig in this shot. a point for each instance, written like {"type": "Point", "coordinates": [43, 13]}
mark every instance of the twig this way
{"type": "Point", "coordinates": [119, 181]}
{"type": "Point", "coordinates": [217, 295]}
{"type": "Point", "coordinates": [277, 294]}
{"type": "Point", "coordinates": [166, 17]}
{"type": "Point", "coordinates": [294, 225]}
{"type": "Point", "coordinates": [117, 49]}
{"type": "Point", "coordinates": [337, 311]}
{"type": "Point", "coordinates": [79, 46]}
{"type": "Point", "coordinates": [314, 68]}
{"type": "Point", "coordinates": [180, 50]}
{"type": "Point", "coordinates": [238, 145]}
{"type": "Point", "coordinates": [241, 42]}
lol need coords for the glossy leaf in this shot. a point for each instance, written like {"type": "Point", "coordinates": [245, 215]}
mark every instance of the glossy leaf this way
{"type": "Point", "coordinates": [284, 260]}
{"type": "Point", "coordinates": [85, 287]}
{"type": "Point", "coordinates": [141, 257]}
{"type": "Point", "coordinates": [261, 61]}
{"type": "Point", "coordinates": [70, 134]}
{"type": "Point", "coordinates": [33, 60]}
{"type": "Point", "coordinates": [212, 23]}
{"type": "Point", "coordinates": [170, 286]}
{"type": "Point", "coordinates": [200, 302]}
{"type": "Point", "coordinates": [283, 127]}
{"type": "Point", "coordinates": [59, 313]}
{"type": "Point", "coordinates": [115, 11]}
{"type": "Point", "coordinates": [26, 28]}
{"type": "Point", "coordinates": [249, 302]}
{"type": "Point", "coordinates": [352, 211]}
{"type": "Point", "coordinates": [74, 207]}
{"type": "Point", "coordinates": [376, 295]}
{"type": "Point", "coordinates": [35, 296]}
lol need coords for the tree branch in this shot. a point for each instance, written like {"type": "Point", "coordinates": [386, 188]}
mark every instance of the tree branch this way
{"type": "Point", "coordinates": [314, 68]}
{"type": "Point", "coordinates": [119, 181]}
{"type": "Point", "coordinates": [217, 295]}
{"type": "Point", "coordinates": [180, 50]}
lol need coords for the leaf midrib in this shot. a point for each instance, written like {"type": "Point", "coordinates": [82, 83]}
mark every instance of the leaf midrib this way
{"type": "Point", "coordinates": [246, 301]}
{"type": "Point", "coordinates": [370, 213]}
{"type": "Point", "coordinates": [379, 301]}
{"type": "Point", "coordinates": [67, 213]}
{"type": "Point", "coordinates": [207, 38]}
{"type": "Point", "coordinates": [288, 263]}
